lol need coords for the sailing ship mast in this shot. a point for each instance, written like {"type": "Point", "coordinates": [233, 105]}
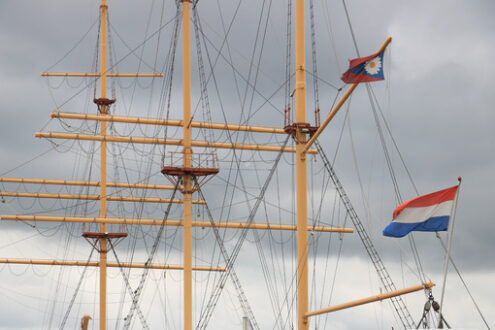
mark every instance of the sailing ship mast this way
{"type": "Point", "coordinates": [185, 175]}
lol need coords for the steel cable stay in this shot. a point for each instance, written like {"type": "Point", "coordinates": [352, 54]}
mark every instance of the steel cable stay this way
{"type": "Point", "coordinates": [398, 196]}
{"type": "Point", "coordinates": [93, 81]}
{"type": "Point", "coordinates": [383, 274]}
{"type": "Point", "coordinates": [245, 80]}
{"type": "Point", "coordinates": [144, 274]}
{"type": "Point", "coordinates": [223, 112]}
{"type": "Point", "coordinates": [399, 305]}
{"type": "Point", "coordinates": [166, 90]}
{"type": "Point", "coordinates": [270, 283]}
{"type": "Point", "coordinates": [240, 292]}
{"type": "Point", "coordinates": [204, 100]}
{"type": "Point", "coordinates": [248, 84]}
{"type": "Point", "coordinates": [204, 319]}
{"type": "Point", "coordinates": [463, 282]}
{"type": "Point", "coordinates": [66, 315]}
{"type": "Point", "coordinates": [129, 288]}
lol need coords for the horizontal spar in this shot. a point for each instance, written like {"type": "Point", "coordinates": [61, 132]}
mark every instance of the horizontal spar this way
{"type": "Point", "coordinates": [371, 299]}
{"type": "Point", "coordinates": [96, 197]}
{"type": "Point", "coordinates": [159, 222]}
{"type": "Point", "coordinates": [86, 183]}
{"type": "Point", "coordinates": [96, 74]}
{"type": "Point", "coordinates": [96, 264]}
{"type": "Point", "coordinates": [168, 122]}
{"type": "Point", "coordinates": [175, 142]}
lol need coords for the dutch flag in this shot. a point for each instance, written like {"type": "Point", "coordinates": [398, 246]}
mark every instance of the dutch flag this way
{"type": "Point", "coordinates": [424, 213]}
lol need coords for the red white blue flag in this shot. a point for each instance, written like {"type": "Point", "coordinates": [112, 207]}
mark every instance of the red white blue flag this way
{"type": "Point", "coordinates": [424, 213]}
{"type": "Point", "coordinates": [364, 69]}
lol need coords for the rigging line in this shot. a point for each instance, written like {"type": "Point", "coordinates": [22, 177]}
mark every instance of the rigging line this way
{"type": "Point", "coordinates": [296, 280]}
{"type": "Point", "coordinates": [33, 159]}
{"type": "Point", "coordinates": [208, 134]}
{"type": "Point", "coordinates": [339, 254]}
{"type": "Point", "coordinates": [73, 47]}
{"type": "Point", "coordinates": [92, 81]}
{"type": "Point", "coordinates": [139, 211]}
{"type": "Point", "coordinates": [328, 247]}
{"type": "Point", "coordinates": [410, 237]}
{"type": "Point", "coordinates": [386, 153]}
{"type": "Point", "coordinates": [270, 283]}
{"type": "Point", "coordinates": [250, 108]}
{"type": "Point", "coordinates": [330, 34]}
{"type": "Point", "coordinates": [385, 278]}
{"type": "Point", "coordinates": [139, 57]}
{"type": "Point", "coordinates": [128, 285]}
{"type": "Point", "coordinates": [288, 55]}
{"type": "Point", "coordinates": [315, 76]}
{"type": "Point", "coordinates": [171, 64]}
{"type": "Point", "coordinates": [229, 49]}
{"type": "Point", "coordinates": [251, 63]}
{"type": "Point", "coordinates": [350, 28]}
{"type": "Point", "coordinates": [128, 319]}
{"type": "Point", "coordinates": [395, 183]}
{"type": "Point", "coordinates": [393, 141]}
{"type": "Point", "coordinates": [243, 104]}
{"type": "Point", "coordinates": [313, 56]}
{"type": "Point", "coordinates": [229, 135]}
{"type": "Point", "coordinates": [360, 181]}
{"type": "Point", "coordinates": [64, 320]}
{"type": "Point", "coordinates": [242, 296]}
{"type": "Point", "coordinates": [249, 84]}
{"type": "Point", "coordinates": [463, 282]}
{"type": "Point", "coordinates": [218, 289]}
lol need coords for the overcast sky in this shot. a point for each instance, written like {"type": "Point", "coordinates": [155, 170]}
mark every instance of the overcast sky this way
{"type": "Point", "coordinates": [437, 99]}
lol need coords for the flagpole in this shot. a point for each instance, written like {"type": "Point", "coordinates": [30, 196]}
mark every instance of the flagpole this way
{"type": "Point", "coordinates": [449, 246]}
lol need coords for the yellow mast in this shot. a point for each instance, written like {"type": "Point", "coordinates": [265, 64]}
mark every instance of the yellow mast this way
{"type": "Point", "coordinates": [300, 137]}
{"type": "Point", "coordinates": [187, 178]}
{"type": "Point", "coordinates": [103, 166]}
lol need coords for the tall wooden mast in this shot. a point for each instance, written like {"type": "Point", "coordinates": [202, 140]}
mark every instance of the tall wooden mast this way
{"type": "Point", "coordinates": [301, 172]}
{"type": "Point", "coordinates": [187, 178]}
{"type": "Point", "coordinates": [103, 166]}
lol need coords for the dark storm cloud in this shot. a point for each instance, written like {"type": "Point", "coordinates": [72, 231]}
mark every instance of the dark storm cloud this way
{"type": "Point", "coordinates": [440, 107]}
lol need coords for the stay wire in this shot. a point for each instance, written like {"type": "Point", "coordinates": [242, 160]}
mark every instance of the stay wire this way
{"type": "Point", "coordinates": [144, 274]}
{"type": "Point", "coordinates": [387, 157]}
{"type": "Point", "coordinates": [119, 61]}
{"type": "Point", "coordinates": [73, 47]}
{"type": "Point", "coordinates": [66, 315]}
{"type": "Point", "coordinates": [128, 285]}
{"type": "Point", "coordinates": [229, 266]}
{"type": "Point", "coordinates": [463, 282]}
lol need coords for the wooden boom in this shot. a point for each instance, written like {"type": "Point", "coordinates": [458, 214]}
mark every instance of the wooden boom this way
{"type": "Point", "coordinates": [87, 183]}
{"type": "Point", "coordinates": [170, 222]}
{"type": "Point", "coordinates": [95, 264]}
{"type": "Point", "coordinates": [174, 142]}
{"type": "Point", "coordinates": [168, 122]}
{"type": "Point", "coordinates": [96, 197]}
{"type": "Point", "coordinates": [371, 299]}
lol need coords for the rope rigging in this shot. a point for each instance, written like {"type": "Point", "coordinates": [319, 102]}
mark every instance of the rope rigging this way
{"type": "Point", "coordinates": [206, 315]}
{"type": "Point", "coordinates": [240, 292]}
{"type": "Point", "coordinates": [138, 291]}
{"type": "Point", "coordinates": [66, 315]}
{"type": "Point", "coordinates": [385, 278]}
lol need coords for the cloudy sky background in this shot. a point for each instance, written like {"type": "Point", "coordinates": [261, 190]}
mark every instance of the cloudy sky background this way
{"type": "Point", "coordinates": [437, 100]}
